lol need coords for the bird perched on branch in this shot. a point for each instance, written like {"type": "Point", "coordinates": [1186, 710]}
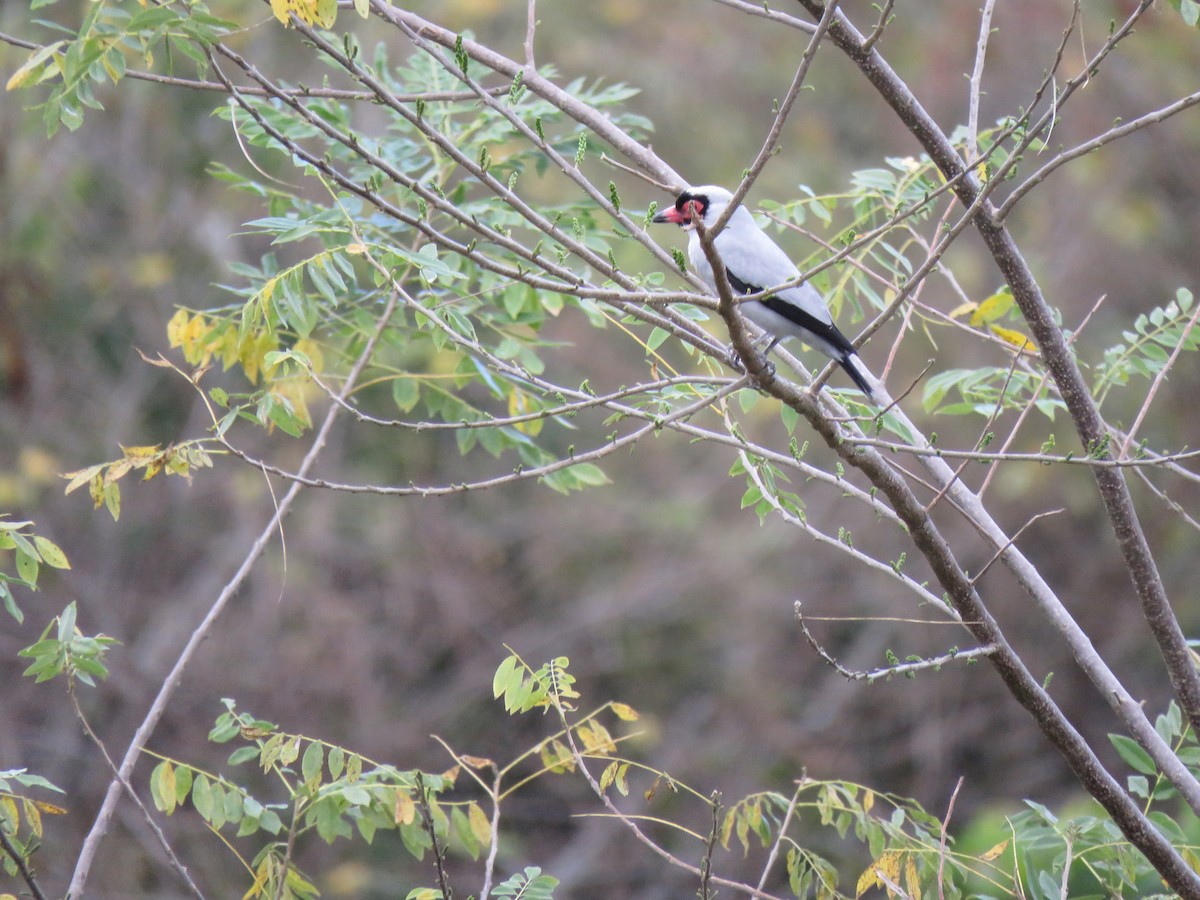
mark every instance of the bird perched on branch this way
{"type": "Point", "coordinates": [753, 263]}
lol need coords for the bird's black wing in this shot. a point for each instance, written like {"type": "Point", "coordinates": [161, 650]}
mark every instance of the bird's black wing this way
{"type": "Point", "coordinates": [797, 316]}
{"type": "Point", "coordinates": [826, 331]}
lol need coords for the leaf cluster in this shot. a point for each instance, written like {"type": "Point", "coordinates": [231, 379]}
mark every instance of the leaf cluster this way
{"type": "Point", "coordinates": [30, 551]}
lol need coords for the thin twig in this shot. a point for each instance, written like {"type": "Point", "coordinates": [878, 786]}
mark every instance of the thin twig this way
{"type": "Point", "coordinates": [885, 17]}
{"type": "Point", "coordinates": [439, 849]}
{"type": "Point", "coordinates": [909, 668]}
{"type": "Point", "coordinates": [706, 861]}
{"type": "Point", "coordinates": [771, 142]}
{"type": "Point", "coordinates": [288, 850]}
{"type": "Point", "coordinates": [489, 864]}
{"type": "Point", "coordinates": [1068, 852]}
{"type": "Point", "coordinates": [783, 827]}
{"type": "Point", "coordinates": [22, 867]}
{"type": "Point", "coordinates": [971, 151]}
{"type": "Point", "coordinates": [941, 877]}
{"type": "Point", "coordinates": [1159, 377]}
{"type": "Point", "coordinates": [531, 23]}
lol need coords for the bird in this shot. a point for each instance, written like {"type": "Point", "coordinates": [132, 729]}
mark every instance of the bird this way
{"type": "Point", "coordinates": [753, 262]}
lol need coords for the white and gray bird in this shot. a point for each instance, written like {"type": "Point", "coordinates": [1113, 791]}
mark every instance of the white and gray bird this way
{"type": "Point", "coordinates": [753, 262]}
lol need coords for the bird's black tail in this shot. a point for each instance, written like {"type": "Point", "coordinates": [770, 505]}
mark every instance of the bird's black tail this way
{"type": "Point", "coordinates": [860, 375]}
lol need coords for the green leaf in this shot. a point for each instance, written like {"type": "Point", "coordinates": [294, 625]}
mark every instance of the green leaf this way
{"type": "Point", "coordinates": [1133, 754]}
{"type": "Point", "coordinates": [312, 762]}
{"type": "Point", "coordinates": [337, 762]}
{"type": "Point", "coordinates": [51, 554]}
{"type": "Point", "coordinates": [202, 796]}
{"type": "Point", "coordinates": [162, 787]}
{"type": "Point", "coordinates": [27, 567]}
{"type": "Point", "coordinates": [406, 392]}
{"type": "Point", "coordinates": [507, 674]}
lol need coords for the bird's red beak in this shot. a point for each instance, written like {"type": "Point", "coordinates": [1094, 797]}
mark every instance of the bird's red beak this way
{"type": "Point", "coordinates": [674, 216]}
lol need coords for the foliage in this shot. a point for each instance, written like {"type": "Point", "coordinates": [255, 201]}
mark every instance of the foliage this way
{"type": "Point", "coordinates": [1147, 349]}
{"type": "Point", "coordinates": [452, 230]}
{"type": "Point", "coordinates": [70, 652]}
{"type": "Point", "coordinates": [333, 794]}
{"type": "Point", "coordinates": [30, 552]}
{"type": "Point", "coordinates": [16, 808]}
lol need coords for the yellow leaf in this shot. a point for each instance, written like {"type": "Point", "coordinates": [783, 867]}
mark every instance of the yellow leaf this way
{"type": "Point", "coordinates": [176, 327]}
{"type": "Point", "coordinates": [9, 812]}
{"type": "Point", "coordinates": [963, 309]}
{"type": "Point", "coordinates": [868, 800]}
{"type": "Point", "coordinates": [1015, 338]}
{"type": "Point", "coordinates": [49, 808]}
{"type": "Point", "coordinates": [33, 817]}
{"type": "Point", "coordinates": [912, 884]}
{"type": "Point", "coordinates": [623, 779]}
{"type": "Point", "coordinates": [480, 826]}
{"type": "Point", "coordinates": [190, 336]}
{"type": "Point", "coordinates": [867, 880]}
{"type": "Point", "coordinates": [887, 866]}
{"type": "Point", "coordinates": [992, 308]}
{"type": "Point", "coordinates": [28, 72]}
{"type": "Point", "coordinates": [520, 405]}
{"type": "Point", "coordinates": [166, 787]}
{"type": "Point", "coordinates": [556, 757]}
{"type": "Point", "coordinates": [96, 490]}
{"type": "Point", "coordinates": [294, 395]}
{"type": "Point", "coordinates": [312, 350]}
{"type": "Point", "coordinates": [625, 712]}
{"type": "Point", "coordinates": [995, 851]}
{"type": "Point", "coordinates": [261, 877]}
{"type": "Point", "coordinates": [139, 454]}
{"type": "Point", "coordinates": [326, 13]}
{"type": "Point", "coordinates": [117, 471]}
{"type": "Point", "coordinates": [405, 809]}
{"type": "Point", "coordinates": [281, 8]}
{"type": "Point", "coordinates": [478, 762]}
{"type": "Point", "coordinates": [607, 776]}
{"type": "Point", "coordinates": [596, 739]}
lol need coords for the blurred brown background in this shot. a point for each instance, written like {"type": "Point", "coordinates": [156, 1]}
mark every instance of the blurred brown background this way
{"type": "Point", "coordinates": [391, 615]}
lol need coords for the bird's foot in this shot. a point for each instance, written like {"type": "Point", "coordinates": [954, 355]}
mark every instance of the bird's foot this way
{"type": "Point", "coordinates": [764, 370]}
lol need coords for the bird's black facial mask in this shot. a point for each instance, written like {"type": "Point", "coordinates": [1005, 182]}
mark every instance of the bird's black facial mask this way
{"type": "Point", "coordinates": [688, 208]}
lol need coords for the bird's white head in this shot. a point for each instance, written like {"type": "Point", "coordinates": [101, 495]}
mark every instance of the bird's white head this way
{"type": "Point", "coordinates": [705, 203]}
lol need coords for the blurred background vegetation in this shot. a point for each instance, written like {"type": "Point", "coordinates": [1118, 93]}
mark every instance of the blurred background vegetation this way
{"type": "Point", "coordinates": [385, 621]}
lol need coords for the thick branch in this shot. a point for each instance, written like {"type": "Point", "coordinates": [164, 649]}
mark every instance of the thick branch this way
{"type": "Point", "coordinates": [1092, 431]}
{"type": "Point", "coordinates": [960, 589]}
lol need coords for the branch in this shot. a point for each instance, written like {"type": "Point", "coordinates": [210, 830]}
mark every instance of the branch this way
{"type": "Point", "coordinates": [1107, 137]}
{"type": "Point", "coordinates": [771, 143]}
{"type": "Point", "coordinates": [599, 124]}
{"type": "Point", "coordinates": [706, 861]}
{"type": "Point", "coordinates": [1113, 489]}
{"type": "Point", "coordinates": [439, 849]}
{"type": "Point", "coordinates": [1159, 377]}
{"type": "Point", "coordinates": [941, 869]}
{"type": "Point", "coordinates": [22, 867]}
{"type": "Point", "coordinates": [976, 83]}
{"type": "Point", "coordinates": [936, 663]}
{"type": "Point", "coordinates": [783, 827]}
